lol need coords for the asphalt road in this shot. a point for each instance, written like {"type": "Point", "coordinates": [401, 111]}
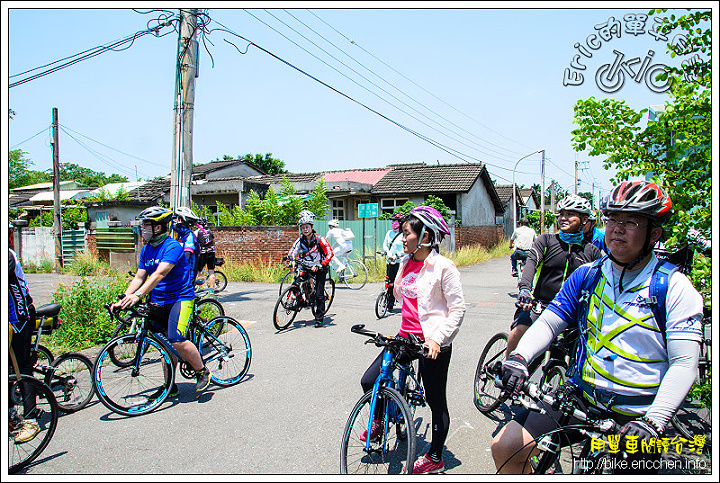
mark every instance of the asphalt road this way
{"type": "Point", "coordinates": [288, 414]}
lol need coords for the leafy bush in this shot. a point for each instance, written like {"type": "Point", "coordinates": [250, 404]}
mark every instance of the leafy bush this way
{"type": "Point", "coordinates": [85, 322]}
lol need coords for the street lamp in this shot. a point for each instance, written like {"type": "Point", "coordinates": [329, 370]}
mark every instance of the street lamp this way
{"type": "Point", "coordinates": [513, 188]}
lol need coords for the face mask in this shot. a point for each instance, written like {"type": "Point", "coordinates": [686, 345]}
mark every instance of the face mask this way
{"type": "Point", "coordinates": [147, 234]}
{"type": "Point", "coordinates": [571, 238]}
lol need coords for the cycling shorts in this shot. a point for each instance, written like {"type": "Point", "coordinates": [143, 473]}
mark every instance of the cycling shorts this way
{"type": "Point", "coordinates": [206, 260]}
{"type": "Point", "coordinates": [173, 319]}
{"type": "Point", "coordinates": [524, 317]}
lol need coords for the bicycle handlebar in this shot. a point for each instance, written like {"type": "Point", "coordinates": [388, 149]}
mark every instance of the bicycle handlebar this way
{"type": "Point", "coordinates": [414, 344]}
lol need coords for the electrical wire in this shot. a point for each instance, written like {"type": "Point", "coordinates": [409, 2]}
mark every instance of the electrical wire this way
{"type": "Point", "coordinates": [28, 139]}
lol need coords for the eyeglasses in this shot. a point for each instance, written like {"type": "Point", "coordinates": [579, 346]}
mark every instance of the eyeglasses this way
{"type": "Point", "coordinates": [611, 223]}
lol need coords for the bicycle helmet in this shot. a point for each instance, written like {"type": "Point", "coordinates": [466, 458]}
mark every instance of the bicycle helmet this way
{"type": "Point", "coordinates": [306, 216]}
{"type": "Point", "coordinates": [432, 220]}
{"type": "Point", "coordinates": [334, 223]}
{"type": "Point", "coordinates": [155, 214]}
{"type": "Point", "coordinates": [398, 216]}
{"type": "Point", "coordinates": [575, 203]}
{"type": "Point", "coordinates": [639, 197]}
{"type": "Point", "coordinates": [186, 215]}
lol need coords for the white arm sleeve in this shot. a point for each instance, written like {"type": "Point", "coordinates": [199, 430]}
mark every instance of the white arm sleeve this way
{"type": "Point", "coordinates": [540, 334]}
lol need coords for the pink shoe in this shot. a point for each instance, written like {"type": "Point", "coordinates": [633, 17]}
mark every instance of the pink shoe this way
{"type": "Point", "coordinates": [424, 465]}
{"type": "Point", "coordinates": [374, 431]}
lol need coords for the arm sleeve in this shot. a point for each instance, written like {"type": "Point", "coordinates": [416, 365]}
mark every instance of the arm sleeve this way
{"type": "Point", "coordinates": [683, 356]}
{"type": "Point", "coordinates": [540, 334]}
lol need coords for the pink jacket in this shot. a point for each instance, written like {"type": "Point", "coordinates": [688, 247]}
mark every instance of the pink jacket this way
{"type": "Point", "coordinates": [441, 304]}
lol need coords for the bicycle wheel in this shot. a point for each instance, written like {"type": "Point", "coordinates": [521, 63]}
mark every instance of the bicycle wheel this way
{"type": "Point", "coordinates": [220, 282]}
{"type": "Point", "coordinates": [387, 454]}
{"type": "Point", "coordinates": [45, 414]}
{"type": "Point", "coordinates": [381, 305]}
{"type": "Point", "coordinates": [413, 396]}
{"type": "Point", "coordinates": [125, 326]}
{"type": "Point", "coordinates": [135, 388]}
{"type": "Point", "coordinates": [486, 392]}
{"type": "Point", "coordinates": [207, 309]}
{"type": "Point", "coordinates": [72, 381]}
{"type": "Point", "coordinates": [227, 354]}
{"type": "Point", "coordinates": [355, 275]}
{"type": "Point", "coordinates": [286, 308]}
{"type": "Point", "coordinates": [329, 297]}
{"type": "Point", "coordinates": [554, 377]}
{"type": "Point", "coordinates": [284, 279]}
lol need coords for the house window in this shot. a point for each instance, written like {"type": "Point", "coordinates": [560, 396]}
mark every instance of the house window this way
{"type": "Point", "coordinates": [388, 205]}
{"type": "Point", "coordinates": [338, 209]}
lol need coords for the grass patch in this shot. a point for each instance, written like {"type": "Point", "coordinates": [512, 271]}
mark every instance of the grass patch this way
{"type": "Point", "coordinates": [86, 265]}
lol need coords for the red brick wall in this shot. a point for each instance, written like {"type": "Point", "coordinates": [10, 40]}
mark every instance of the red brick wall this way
{"type": "Point", "coordinates": [250, 244]}
{"type": "Point", "coordinates": [485, 236]}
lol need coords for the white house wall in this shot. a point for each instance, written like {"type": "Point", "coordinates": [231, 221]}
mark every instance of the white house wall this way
{"type": "Point", "coordinates": [476, 207]}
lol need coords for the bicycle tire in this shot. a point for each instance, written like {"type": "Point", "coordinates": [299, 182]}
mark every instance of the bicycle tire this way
{"type": "Point", "coordinates": [399, 455]}
{"type": "Point", "coordinates": [554, 377]}
{"type": "Point", "coordinates": [20, 455]}
{"type": "Point", "coordinates": [358, 275]}
{"type": "Point", "coordinates": [72, 381]}
{"type": "Point", "coordinates": [486, 393]}
{"type": "Point", "coordinates": [227, 354]}
{"type": "Point", "coordinates": [126, 391]}
{"type": "Point", "coordinates": [381, 305]}
{"type": "Point", "coordinates": [122, 328]}
{"type": "Point", "coordinates": [410, 388]}
{"type": "Point", "coordinates": [286, 308]}
{"type": "Point", "coordinates": [284, 279]}
{"type": "Point", "coordinates": [44, 355]}
{"type": "Point", "coordinates": [207, 309]}
{"type": "Point", "coordinates": [329, 297]}
{"type": "Point", "coordinates": [221, 282]}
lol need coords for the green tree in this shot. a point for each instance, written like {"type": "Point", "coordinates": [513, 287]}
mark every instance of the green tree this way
{"type": "Point", "coordinates": [19, 172]}
{"type": "Point", "coordinates": [673, 150]}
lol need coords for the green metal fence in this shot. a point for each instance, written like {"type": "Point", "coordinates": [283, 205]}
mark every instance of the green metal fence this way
{"type": "Point", "coordinates": [73, 243]}
{"type": "Point", "coordinates": [115, 239]}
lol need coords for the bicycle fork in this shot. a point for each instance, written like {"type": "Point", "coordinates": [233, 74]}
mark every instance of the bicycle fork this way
{"type": "Point", "coordinates": [384, 379]}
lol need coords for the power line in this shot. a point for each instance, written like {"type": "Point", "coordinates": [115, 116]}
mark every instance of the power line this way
{"type": "Point", "coordinates": [28, 139]}
{"type": "Point", "coordinates": [117, 150]}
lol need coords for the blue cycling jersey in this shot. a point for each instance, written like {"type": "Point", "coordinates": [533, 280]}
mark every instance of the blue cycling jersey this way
{"type": "Point", "coordinates": [178, 284]}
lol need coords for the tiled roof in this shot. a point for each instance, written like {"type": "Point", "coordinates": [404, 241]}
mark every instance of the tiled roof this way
{"type": "Point", "coordinates": [504, 192]}
{"type": "Point", "coordinates": [369, 176]}
{"type": "Point", "coordinates": [423, 178]}
{"type": "Point", "coordinates": [212, 166]}
{"type": "Point", "coordinates": [151, 190]}
{"type": "Point", "coordinates": [292, 177]}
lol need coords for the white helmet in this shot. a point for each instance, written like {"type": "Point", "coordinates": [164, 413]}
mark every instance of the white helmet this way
{"type": "Point", "coordinates": [306, 216]}
{"type": "Point", "coordinates": [186, 215]}
{"type": "Point", "coordinates": [575, 203]}
{"type": "Point", "coordinates": [334, 223]}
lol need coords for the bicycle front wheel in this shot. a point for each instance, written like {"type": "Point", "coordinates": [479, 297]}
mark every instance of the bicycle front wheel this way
{"type": "Point", "coordinates": [381, 305]}
{"type": "Point", "coordinates": [486, 392]}
{"type": "Point", "coordinates": [45, 413]}
{"type": "Point", "coordinates": [386, 453]}
{"type": "Point", "coordinates": [329, 297]}
{"type": "Point", "coordinates": [284, 281]}
{"type": "Point", "coordinates": [124, 327]}
{"type": "Point", "coordinates": [286, 308]}
{"type": "Point", "coordinates": [355, 275]}
{"type": "Point", "coordinates": [228, 353]}
{"type": "Point", "coordinates": [138, 387]}
{"type": "Point", "coordinates": [72, 381]}
{"type": "Point", "coordinates": [220, 282]}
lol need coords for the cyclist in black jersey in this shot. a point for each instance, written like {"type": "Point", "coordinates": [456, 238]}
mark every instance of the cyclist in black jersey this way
{"type": "Point", "coordinates": [551, 260]}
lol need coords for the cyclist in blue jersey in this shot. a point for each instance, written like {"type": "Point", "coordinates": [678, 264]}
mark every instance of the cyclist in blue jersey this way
{"type": "Point", "coordinates": [593, 234]}
{"type": "Point", "coordinates": [165, 274]}
{"type": "Point", "coordinates": [637, 356]}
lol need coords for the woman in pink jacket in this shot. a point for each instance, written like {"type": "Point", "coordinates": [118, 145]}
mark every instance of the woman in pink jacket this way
{"type": "Point", "coordinates": [433, 307]}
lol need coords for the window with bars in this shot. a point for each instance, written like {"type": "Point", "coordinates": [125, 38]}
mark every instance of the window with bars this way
{"type": "Point", "coordinates": [338, 209]}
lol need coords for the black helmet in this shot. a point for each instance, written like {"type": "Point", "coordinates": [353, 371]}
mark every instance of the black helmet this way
{"type": "Point", "coordinates": [157, 215]}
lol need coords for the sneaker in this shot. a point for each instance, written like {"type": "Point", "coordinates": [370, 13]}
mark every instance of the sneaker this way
{"type": "Point", "coordinates": [174, 391]}
{"type": "Point", "coordinates": [374, 431]}
{"type": "Point", "coordinates": [27, 432]}
{"type": "Point", "coordinates": [514, 274]}
{"type": "Point", "coordinates": [203, 379]}
{"type": "Point", "coordinates": [424, 465]}
{"type": "Point", "coordinates": [318, 323]}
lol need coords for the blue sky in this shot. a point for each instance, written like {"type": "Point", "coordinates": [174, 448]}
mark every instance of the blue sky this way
{"type": "Point", "coordinates": [485, 83]}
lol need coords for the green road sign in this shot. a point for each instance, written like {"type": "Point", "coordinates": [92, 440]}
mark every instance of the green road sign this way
{"type": "Point", "coordinates": [368, 210]}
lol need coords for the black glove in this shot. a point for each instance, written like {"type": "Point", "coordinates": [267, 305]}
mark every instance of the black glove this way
{"type": "Point", "coordinates": [514, 373]}
{"type": "Point", "coordinates": [643, 428]}
{"type": "Point", "coordinates": [524, 297]}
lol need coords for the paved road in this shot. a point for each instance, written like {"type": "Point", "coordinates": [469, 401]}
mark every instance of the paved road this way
{"type": "Point", "coordinates": [287, 416]}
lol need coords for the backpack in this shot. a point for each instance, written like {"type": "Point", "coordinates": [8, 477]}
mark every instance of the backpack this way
{"type": "Point", "coordinates": [206, 240]}
{"type": "Point", "coordinates": [659, 283]}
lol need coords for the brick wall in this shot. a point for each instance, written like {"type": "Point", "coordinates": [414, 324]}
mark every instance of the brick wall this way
{"type": "Point", "coordinates": [485, 236]}
{"type": "Point", "coordinates": [254, 243]}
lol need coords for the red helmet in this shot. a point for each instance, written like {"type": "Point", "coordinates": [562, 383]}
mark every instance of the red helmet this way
{"type": "Point", "coordinates": [641, 197]}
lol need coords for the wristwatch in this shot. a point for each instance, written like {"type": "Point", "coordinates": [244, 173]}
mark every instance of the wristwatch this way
{"type": "Point", "coordinates": [138, 294]}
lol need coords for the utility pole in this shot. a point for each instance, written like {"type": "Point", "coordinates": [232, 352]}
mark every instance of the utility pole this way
{"type": "Point", "coordinates": [576, 174]}
{"type": "Point", "coordinates": [542, 193]}
{"type": "Point", "coordinates": [57, 222]}
{"type": "Point", "coordinates": [552, 198]}
{"type": "Point", "coordinates": [186, 72]}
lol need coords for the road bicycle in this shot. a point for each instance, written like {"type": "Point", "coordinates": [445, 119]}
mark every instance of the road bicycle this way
{"type": "Point", "coordinates": [487, 390]}
{"type": "Point", "coordinates": [45, 413]}
{"type": "Point", "coordinates": [554, 452]}
{"type": "Point", "coordinates": [143, 385]}
{"type": "Point", "coordinates": [300, 294]}
{"type": "Point", "coordinates": [380, 436]}
{"type": "Point", "coordinates": [69, 376]}
{"type": "Point", "coordinates": [693, 417]}
{"type": "Point", "coordinates": [221, 280]}
{"type": "Point", "coordinates": [381, 302]}
{"type": "Point", "coordinates": [354, 275]}
{"type": "Point", "coordinates": [206, 307]}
